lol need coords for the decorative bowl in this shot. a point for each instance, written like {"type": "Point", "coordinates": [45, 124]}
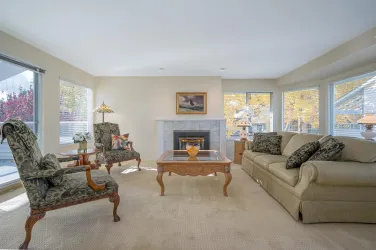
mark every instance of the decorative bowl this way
{"type": "Point", "coordinates": [192, 147]}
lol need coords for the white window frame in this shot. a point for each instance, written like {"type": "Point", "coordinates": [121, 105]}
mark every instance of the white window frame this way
{"type": "Point", "coordinates": [331, 108]}
{"type": "Point", "coordinates": [89, 109]}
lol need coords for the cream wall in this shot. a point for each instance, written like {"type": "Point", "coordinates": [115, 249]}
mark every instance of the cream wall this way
{"type": "Point", "coordinates": [55, 68]}
{"type": "Point", "coordinates": [139, 101]}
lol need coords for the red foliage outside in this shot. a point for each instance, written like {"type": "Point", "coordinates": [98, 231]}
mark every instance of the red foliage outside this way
{"type": "Point", "coordinates": [18, 106]}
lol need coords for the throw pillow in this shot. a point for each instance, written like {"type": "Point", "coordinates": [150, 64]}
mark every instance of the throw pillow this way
{"type": "Point", "coordinates": [302, 154]}
{"type": "Point", "coordinates": [120, 142]}
{"type": "Point", "coordinates": [270, 144]}
{"type": "Point", "coordinates": [330, 150]}
{"type": "Point", "coordinates": [50, 162]}
{"type": "Point", "coordinates": [257, 136]}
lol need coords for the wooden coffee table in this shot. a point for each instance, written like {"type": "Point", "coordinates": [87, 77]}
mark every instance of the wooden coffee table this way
{"type": "Point", "coordinates": [206, 162]}
{"type": "Point", "coordinates": [83, 157]}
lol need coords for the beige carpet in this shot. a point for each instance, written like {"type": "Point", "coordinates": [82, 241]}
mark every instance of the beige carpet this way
{"type": "Point", "coordinates": [193, 215]}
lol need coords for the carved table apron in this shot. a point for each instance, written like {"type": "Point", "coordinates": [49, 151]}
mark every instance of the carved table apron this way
{"type": "Point", "coordinates": [195, 169]}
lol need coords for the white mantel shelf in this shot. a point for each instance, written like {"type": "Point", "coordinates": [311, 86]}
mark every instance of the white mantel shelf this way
{"type": "Point", "coordinates": [167, 126]}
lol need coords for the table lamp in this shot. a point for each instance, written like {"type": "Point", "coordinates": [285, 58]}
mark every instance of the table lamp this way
{"type": "Point", "coordinates": [243, 134]}
{"type": "Point", "coordinates": [103, 108]}
{"type": "Point", "coordinates": [368, 121]}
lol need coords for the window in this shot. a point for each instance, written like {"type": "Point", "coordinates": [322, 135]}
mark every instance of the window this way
{"type": "Point", "coordinates": [19, 84]}
{"type": "Point", "coordinates": [349, 100]}
{"type": "Point", "coordinates": [75, 110]}
{"type": "Point", "coordinates": [301, 111]}
{"type": "Point", "coordinates": [255, 107]}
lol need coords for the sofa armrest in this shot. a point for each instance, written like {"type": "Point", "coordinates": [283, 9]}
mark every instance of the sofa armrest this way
{"type": "Point", "coordinates": [337, 173]}
{"type": "Point", "coordinates": [248, 145]}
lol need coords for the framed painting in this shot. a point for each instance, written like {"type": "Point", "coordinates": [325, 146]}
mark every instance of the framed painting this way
{"type": "Point", "coordinates": [190, 103]}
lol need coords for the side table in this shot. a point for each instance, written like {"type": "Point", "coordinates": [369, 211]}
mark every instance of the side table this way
{"type": "Point", "coordinates": [83, 157]}
{"type": "Point", "coordinates": [239, 147]}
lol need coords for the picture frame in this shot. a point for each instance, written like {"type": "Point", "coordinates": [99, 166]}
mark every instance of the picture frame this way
{"type": "Point", "coordinates": [191, 103]}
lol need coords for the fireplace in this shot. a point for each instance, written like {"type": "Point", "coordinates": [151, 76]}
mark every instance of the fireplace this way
{"type": "Point", "coordinates": [181, 137]}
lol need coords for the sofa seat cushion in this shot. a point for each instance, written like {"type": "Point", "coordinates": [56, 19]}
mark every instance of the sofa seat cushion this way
{"type": "Point", "coordinates": [289, 176]}
{"type": "Point", "coordinates": [265, 160]}
{"type": "Point", "coordinates": [297, 141]}
{"type": "Point", "coordinates": [75, 188]}
{"type": "Point", "coordinates": [250, 155]}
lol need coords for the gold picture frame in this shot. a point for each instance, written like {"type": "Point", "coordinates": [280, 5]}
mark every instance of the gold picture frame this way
{"type": "Point", "coordinates": [191, 103]}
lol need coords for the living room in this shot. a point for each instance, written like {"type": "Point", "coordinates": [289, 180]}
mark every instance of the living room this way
{"type": "Point", "coordinates": [108, 108]}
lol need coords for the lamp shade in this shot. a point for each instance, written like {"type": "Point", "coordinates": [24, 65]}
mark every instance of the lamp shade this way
{"type": "Point", "coordinates": [103, 108]}
{"type": "Point", "coordinates": [367, 119]}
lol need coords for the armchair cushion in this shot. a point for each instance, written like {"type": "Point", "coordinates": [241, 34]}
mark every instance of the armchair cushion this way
{"type": "Point", "coordinates": [50, 162]}
{"type": "Point", "coordinates": [75, 188]}
{"type": "Point", "coordinates": [117, 156]}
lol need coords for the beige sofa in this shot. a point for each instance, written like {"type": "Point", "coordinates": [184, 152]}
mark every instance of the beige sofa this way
{"type": "Point", "coordinates": [320, 191]}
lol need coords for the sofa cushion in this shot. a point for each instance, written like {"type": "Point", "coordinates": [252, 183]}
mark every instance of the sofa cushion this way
{"type": "Point", "coordinates": [330, 150]}
{"type": "Point", "coordinates": [286, 137]}
{"type": "Point", "coordinates": [268, 144]}
{"type": "Point", "coordinates": [297, 141]}
{"type": "Point", "coordinates": [359, 150]}
{"type": "Point", "coordinates": [250, 155]}
{"type": "Point", "coordinates": [265, 160]}
{"type": "Point", "coordinates": [289, 176]}
{"type": "Point", "coordinates": [302, 154]}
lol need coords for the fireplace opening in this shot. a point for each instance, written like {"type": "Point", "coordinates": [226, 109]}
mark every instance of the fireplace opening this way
{"type": "Point", "coordinates": [181, 137]}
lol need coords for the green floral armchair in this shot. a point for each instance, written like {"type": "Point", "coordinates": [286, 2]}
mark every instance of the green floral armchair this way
{"type": "Point", "coordinates": [77, 185]}
{"type": "Point", "coordinates": [103, 141]}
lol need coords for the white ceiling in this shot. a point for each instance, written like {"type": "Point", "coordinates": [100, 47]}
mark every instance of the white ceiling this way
{"type": "Point", "coordinates": [250, 38]}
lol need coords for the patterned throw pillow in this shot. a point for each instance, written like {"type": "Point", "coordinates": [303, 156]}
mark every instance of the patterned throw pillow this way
{"type": "Point", "coordinates": [50, 161]}
{"type": "Point", "coordinates": [302, 154]}
{"type": "Point", "coordinates": [120, 142]}
{"type": "Point", "coordinates": [330, 150]}
{"type": "Point", "coordinates": [270, 144]}
{"type": "Point", "coordinates": [257, 136]}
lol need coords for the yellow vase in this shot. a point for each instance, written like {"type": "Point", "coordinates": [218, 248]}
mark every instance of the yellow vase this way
{"type": "Point", "coordinates": [192, 148]}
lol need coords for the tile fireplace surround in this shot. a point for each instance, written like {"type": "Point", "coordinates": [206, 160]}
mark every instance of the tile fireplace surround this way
{"type": "Point", "coordinates": [166, 128]}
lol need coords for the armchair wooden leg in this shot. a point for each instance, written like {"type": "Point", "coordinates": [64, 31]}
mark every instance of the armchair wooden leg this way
{"type": "Point", "coordinates": [138, 165]}
{"type": "Point", "coordinates": [115, 198]}
{"type": "Point", "coordinates": [119, 164]}
{"type": "Point", "coordinates": [109, 166]}
{"type": "Point", "coordinates": [31, 220]}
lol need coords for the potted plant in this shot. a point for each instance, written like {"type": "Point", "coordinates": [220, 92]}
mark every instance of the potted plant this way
{"type": "Point", "coordinates": [81, 139]}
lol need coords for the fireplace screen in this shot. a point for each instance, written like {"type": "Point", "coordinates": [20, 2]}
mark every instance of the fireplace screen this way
{"type": "Point", "coordinates": [182, 137]}
{"type": "Point", "coordinates": [184, 140]}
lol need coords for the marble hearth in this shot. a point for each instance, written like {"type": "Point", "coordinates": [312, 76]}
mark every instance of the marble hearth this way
{"type": "Point", "coordinates": [166, 128]}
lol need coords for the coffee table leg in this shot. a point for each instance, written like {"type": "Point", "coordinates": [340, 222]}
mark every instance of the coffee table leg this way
{"type": "Point", "coordinates": [160, 182]}
{"type": "Point", "coordinates": [228, 178]}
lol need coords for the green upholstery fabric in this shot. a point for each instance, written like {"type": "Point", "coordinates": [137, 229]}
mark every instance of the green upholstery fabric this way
{"type": "Point", "coordinates": [75, 188]}
{"type": "Point", "coordinates": [28, 158]}
{"type": "Point", "coordinates": [103, 140]}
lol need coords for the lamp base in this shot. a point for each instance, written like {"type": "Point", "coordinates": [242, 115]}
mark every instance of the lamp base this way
{"type": "Point", "coordinates": [368, 134]}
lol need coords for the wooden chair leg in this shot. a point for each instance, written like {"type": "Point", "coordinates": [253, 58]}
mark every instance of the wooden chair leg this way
{"type": "Point", "coordinates": [31, 220]}
{"type": "Point", "coordinates": [119, 164]}
{"type": "Point", "coordinates": [138, 165]}
{"type": "Point", "coordinates": [109, 166]}
{"type": "Point", "coordinates": [115, 198]}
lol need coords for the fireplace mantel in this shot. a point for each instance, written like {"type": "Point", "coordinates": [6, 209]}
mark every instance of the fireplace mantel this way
{"type": "Point", "coordinates": [167, 126]}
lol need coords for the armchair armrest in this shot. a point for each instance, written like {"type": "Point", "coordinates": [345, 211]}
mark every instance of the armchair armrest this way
{"type": "Point", "coordinates": [64, 171]}
{"type": "Point", "coordinates": [99, 146]}
{"type": "Point", "coordinates": [131, 145]}
{"type": "Point", "coordinates": [51, 173]}
{"type": "Point", "coordinates": [339, 173]}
